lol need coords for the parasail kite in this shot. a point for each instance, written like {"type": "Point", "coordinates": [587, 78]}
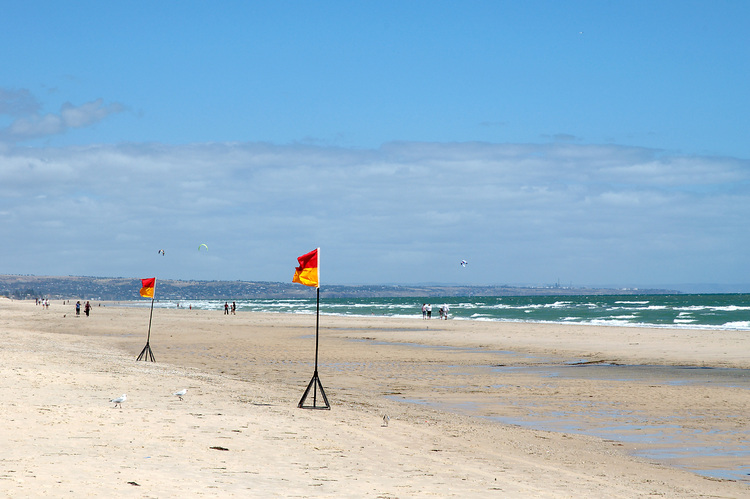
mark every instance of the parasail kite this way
{"type": "Point", "coordinates": [161, 252]}
{"type": "Point", "coordinates": [202, 246]}
{"type": "Point", "coordinates": [464, 263]}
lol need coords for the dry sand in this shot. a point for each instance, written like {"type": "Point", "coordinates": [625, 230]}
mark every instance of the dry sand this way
{"type": "Point", "coordinates": [238, 431]}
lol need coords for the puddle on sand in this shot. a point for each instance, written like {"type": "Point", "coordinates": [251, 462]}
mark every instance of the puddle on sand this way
{"type": "Point", "coordinates": [665, 375]}
{"type": "Point", "coordinates": [717, 456]}
{"type": "Point", "coordinates": [715, 453]}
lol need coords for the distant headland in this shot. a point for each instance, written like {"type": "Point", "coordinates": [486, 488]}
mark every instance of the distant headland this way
{"type": "Point", "coordinates": [119, 288]}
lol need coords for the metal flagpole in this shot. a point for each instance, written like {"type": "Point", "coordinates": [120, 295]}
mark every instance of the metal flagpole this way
{"type": "Point", "coordinates": [315, 383]}
{"type": "Point", "coordinates": [146, 353]}
{"type": "Point", "coordinates": [317, 328]}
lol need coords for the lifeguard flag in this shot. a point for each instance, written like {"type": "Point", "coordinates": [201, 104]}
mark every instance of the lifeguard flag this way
{"type": "Point", "coordinates": [307, 272]}
{"type": "Point", "coordinates": [147, 291]}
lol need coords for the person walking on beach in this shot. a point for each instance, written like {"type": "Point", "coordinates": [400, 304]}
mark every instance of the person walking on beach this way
{"type": "Point", "coordinates": [87, 308]}
{"type": "Point", "coordinates": [234, 308]}
{"type": "Point", "coordinates": [424, 311]}
{"type": "Point", "coordinates": [445, 311]}
{"type": "Point", "coordinates": [226, 308]}
{"type": "Point", "coordinates": [429, 311]}
{"type": "Point", "coordinates": [78, 308]}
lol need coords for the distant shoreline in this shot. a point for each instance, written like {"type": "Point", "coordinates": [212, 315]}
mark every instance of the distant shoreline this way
{"type": "Point", "coordinates": [125, 289]}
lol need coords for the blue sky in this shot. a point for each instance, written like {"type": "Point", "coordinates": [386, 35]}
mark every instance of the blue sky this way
{"type": "Point", "coordinates": [590, 143]}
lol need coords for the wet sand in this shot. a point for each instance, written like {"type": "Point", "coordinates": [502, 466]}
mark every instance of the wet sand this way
{"type": "Point", "coordinates": [459, 395]}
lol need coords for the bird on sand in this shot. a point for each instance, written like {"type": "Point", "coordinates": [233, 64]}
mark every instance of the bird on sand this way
{"type": "Point", "coordinates": [386, 420]}
{"type": "Point", "coordinates": [180, 393]}
{"type": "Point", "coordinates": [119, 400]}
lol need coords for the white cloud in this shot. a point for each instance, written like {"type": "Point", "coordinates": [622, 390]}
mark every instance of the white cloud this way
{"type": "Point", "coordinates": [29, 124]}
{"type": "Point", "coordinates": [36, 126]}
{"type": "Point", "coordinates": [406, 212]}
{"type": "Point", "coordinates": [87, 114]}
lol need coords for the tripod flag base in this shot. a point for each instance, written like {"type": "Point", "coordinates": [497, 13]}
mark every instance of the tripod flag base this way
{"type": "Point", "coordinates": [314, 385]}
{"type": "Point", "coordinates": [146, 354]}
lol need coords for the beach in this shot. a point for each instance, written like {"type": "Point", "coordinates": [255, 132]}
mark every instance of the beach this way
{"type": "Point", "coordinates": [458, 395]}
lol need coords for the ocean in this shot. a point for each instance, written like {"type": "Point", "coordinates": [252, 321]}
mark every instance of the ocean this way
{"type": "Point", "coordinates": [691, 311]}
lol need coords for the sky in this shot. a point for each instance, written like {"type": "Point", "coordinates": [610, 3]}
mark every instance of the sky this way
{"type": "Point", "coordinates": [581, 143]}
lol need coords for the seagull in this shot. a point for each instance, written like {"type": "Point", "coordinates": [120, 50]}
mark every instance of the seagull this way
{"type": "Point", "coordinates": [386, 419]}
{"type": "Point", "coordinates": [119, 400]}
{"type": "Point", "coordinates": [180, 393]}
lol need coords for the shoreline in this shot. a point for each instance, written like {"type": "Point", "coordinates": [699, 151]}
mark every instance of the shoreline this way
{"type": "Point", "coordinates": [636, 344]}
{"type": "Point", "coordinates": [308, 308]}
{"type": "Point", "coordinates": [245, 374]}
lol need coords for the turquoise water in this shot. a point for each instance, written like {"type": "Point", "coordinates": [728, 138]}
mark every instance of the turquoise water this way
{"type": "Point", "coordinates": [713, 311]}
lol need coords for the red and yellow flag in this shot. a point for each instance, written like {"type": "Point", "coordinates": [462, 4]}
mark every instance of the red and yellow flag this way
{"type": "Point", "coordinates": [307, 272]}
{"type": "Point", "coordinates": [147, 291]}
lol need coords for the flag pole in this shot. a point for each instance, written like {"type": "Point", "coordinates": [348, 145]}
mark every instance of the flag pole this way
{"type": "Point", "coordinates": [146, 353]}
{"type": "Point", "coordinates": [150, 316]}
{"type": "Point", "coordinates": [317, 324]}
{"type": "Point", "coordinates": [317, 329]}
{"type": "Point", "coordinates": [315, 385]}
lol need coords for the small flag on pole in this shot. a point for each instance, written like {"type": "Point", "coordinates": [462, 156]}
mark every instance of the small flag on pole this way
{"type": "Point", "coordinates": [147, 289]}
{"type": "Point", "coordinates": [307, 272]}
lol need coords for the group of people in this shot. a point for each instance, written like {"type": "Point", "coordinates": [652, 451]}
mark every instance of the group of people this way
{"type": "Point", "coordinates": [86, 308]}
{"type": "Point", "coordinates": [427, 311]}
{"type": "Point", "coordinates": [44, 302]}
{"type": "Point", "coordinates": [226, 308]}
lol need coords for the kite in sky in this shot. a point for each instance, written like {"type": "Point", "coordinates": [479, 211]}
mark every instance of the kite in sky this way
{"type": "Point", "coordinates": [202, 246]}
{"type": "Point", "coordinates": [464, 263]}
{"type": "Point", "coordinates": [161, 252]}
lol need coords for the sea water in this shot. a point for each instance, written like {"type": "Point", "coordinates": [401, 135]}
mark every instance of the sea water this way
{"type": "Point", "coordinates": [693, 311]}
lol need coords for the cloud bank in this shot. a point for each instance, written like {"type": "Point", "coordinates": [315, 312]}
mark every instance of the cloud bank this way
{"type": "Point", "coordinates": [401, 213]}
